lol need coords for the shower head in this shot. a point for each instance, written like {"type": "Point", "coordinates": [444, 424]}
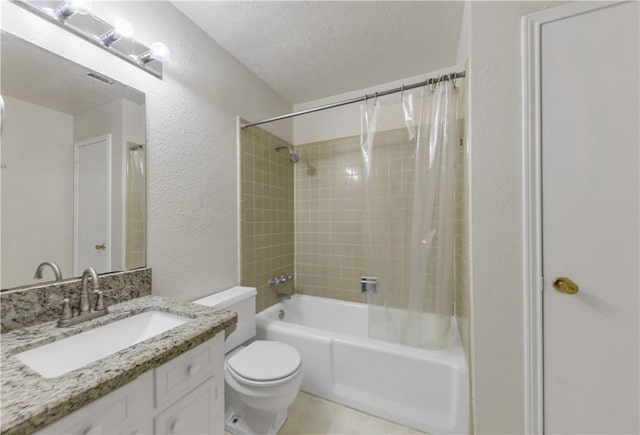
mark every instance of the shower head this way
{"type": "Point", "coordinates": [293, 157]}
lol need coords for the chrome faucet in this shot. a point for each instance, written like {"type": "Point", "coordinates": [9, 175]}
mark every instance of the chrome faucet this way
{"type": "Point", "coordinates": [278, 280]}
{"type": "Point", "coordinates": [52, 265]}
{"type": "Point", "coordinates": [85, 312]}
{"type": "Point", "coordinates": [85, 301]}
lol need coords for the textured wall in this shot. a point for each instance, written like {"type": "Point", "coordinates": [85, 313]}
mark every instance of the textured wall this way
{"type": "Point", "coordinates": [191, 137]}
{"type": "Point", "coordinates": [496, 209]}
{"type": "Point", "coordinates": [266, 213]}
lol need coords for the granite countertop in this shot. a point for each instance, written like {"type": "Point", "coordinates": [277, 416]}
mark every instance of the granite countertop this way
{"type": "Point", "coordinates": [30, 401]}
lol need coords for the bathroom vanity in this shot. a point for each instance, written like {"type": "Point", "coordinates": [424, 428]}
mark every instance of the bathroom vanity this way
{"type": "Point", "coordinates": [172, 382]}
{"type": "Point", "coordinates": [181, 396]}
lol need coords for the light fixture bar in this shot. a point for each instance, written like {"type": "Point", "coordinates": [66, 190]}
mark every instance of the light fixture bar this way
{"type": "Point", "coordinates": [84, 26]}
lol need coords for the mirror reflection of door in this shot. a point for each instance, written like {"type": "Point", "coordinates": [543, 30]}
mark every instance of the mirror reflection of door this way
{"type": "Point", "coordinates": [92, 205]}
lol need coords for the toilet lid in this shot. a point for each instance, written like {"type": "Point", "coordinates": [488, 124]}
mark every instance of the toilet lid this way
{"type": "Point", "coordinates": [265, 361]}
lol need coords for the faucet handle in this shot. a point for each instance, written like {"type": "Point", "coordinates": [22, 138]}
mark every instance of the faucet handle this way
{"type": "Point", "coordinates": [99, 301]}
{"type": "Point", "coordinates": [66, 309]}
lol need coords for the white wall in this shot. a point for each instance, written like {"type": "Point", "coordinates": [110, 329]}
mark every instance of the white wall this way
{"type": "Point", "coordinates": [37, 189]}
{"type": "Point", "coordinates": [345, 121]}
{"type": "Point", "coordinates": [191, 136]}
{"type": "Point", "coordinates": [496, 210]}
{"type": "Point", "coordinates": [133, 123]}
{"type": "Point", "coordinates": [464, 41]}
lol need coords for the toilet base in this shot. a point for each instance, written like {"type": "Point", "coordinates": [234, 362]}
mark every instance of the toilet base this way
{"type": "Point", "coordinates": [253, 423]}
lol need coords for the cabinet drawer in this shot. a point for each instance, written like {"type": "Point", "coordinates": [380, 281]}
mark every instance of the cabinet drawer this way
{"type": "Point", "coordinates": [113, 413]}
{"type": "Point", "coordinates": [177, 377]}
{"type": "Point", "coordinates": [190, 415]}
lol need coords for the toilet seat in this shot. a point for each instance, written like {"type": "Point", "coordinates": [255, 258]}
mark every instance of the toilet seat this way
{"type": "Point", "coordinates": [264, 363]}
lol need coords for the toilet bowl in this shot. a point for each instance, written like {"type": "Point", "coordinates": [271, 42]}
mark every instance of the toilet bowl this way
{"type": "Point", "coordinates": [261, 381]}
{"type": "Point", "coordinates": [262, 378]}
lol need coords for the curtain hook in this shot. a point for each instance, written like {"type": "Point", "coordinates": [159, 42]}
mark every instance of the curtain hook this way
{"type": "Point", "coordinates": [453, 79]}
{"type": "Point", "coordinates": [432, 84]}
{"type": "Point", "coordinates": [402, 93]}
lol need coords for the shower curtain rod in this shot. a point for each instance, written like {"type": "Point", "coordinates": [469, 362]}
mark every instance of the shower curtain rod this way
{"type": "Point", "coordinates": [365, 97]}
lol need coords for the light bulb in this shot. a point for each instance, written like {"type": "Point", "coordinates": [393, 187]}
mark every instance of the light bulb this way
{"type": "Point", "coordinates": [159, 52]}
{"type": "Point", "coordinates": [82, 7]}
{"type": "Point", "coordinates": [69, 8]}
{"type": "Point", "coordinates": [124, 28]}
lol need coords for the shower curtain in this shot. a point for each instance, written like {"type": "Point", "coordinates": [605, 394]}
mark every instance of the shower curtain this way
{"type": "Point", "coordinates": [409, 151]}
{"type": "Point", "coordinates": [136, 209]}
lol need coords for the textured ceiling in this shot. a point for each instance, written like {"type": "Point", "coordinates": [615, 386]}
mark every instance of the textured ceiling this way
{"type": "Point", "coordinates": [310, 50]}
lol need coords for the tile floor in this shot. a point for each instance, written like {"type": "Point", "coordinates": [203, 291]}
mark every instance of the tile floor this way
{"type": "Point", "coordinates": [313, 415]}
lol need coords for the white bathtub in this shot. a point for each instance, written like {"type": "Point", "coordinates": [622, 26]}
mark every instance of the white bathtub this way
{"type": "Point", "coordinates": [424, 389]}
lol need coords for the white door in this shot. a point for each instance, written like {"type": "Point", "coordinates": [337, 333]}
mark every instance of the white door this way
{"type": "Point", "coordinates": [590, 220]}
{"type": "Point", "coordinates": [92, 195]}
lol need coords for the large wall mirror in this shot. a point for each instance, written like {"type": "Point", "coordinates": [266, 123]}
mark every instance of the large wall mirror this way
{"type": "Point", "coordinates": [73, 168]}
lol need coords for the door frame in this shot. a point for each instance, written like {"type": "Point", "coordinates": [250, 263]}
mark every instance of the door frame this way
{"type": "Point", "coordinates": [532, 194]}
{"type": "Point", "coordinates": [76, 146]}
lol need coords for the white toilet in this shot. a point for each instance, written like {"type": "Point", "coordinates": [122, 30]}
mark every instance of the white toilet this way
{"type": "Point", "coordinates": [262, 378]}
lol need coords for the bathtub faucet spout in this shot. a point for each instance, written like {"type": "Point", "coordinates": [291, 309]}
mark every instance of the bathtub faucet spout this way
{"type": "Point", "coordinates": [282, 296]}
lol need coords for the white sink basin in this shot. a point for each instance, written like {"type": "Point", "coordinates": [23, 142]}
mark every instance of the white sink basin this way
{"type": "Point", "coordinates": [62, 356]}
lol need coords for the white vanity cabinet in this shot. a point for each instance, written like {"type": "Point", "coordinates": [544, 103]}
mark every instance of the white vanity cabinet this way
{"type": "Point", "coordinates": [182, 396]}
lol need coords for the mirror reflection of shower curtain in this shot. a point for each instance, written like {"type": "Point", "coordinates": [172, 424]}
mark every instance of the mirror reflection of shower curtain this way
{"type": "Point", "coordinates": [409, 150]}
{"type": "Point", "coordinates": [136, 208]}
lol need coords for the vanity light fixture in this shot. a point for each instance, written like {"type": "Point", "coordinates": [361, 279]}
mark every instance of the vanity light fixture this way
{"type": "Point", "coordinates": [76, 17]}
{"type": "Point", "coordinates": [68, 8]}
{"type": "Point", "coordinates": [122, 29]}
{"type": "Point", "coordinates": [158, 51]}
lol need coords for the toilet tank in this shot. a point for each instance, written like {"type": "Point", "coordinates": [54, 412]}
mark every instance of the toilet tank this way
{"type": "Point", "coordinates": [242, 300]}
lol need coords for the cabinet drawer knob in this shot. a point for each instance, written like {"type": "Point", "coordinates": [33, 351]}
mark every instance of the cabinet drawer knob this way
{"type": "Point", "coordinates": [93, 430]}
{"type": "Point", "coordinates": [194, 369]}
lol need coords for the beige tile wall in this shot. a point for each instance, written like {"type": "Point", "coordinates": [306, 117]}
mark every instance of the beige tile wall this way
{"type": "Point", "coordinates": [266, 213]}
{"type": "Point", "coordinates": [329, 216]}
{"type": "Point", "coordinates": [329, 220]}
